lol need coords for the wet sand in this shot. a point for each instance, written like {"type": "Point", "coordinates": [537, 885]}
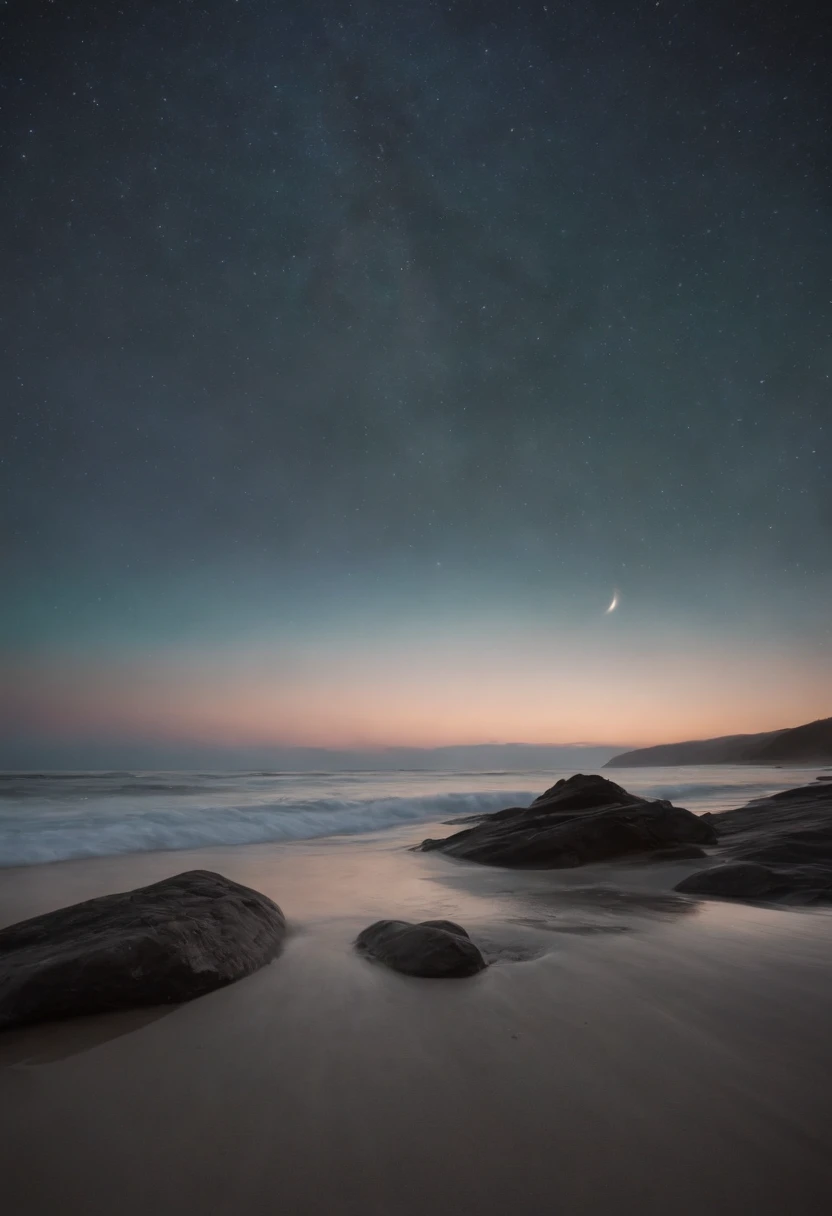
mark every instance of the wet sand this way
{"type": "Point", "coordinates": [628, 1051]}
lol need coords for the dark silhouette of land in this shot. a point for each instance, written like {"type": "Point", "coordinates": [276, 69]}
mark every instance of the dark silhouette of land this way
{"type": "Point", "coordinates": [808, 744]}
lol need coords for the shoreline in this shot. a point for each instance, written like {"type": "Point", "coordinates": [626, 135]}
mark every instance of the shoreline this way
{"type": "Point", "coordinates": [51, 822]}
{"type": "Point", "coordinates": [628, 1050]}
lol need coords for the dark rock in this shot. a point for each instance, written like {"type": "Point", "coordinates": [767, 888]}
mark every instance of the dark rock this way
{"type": "Point", "coordinates": [788, 836]}
{"type": "Point", "coordinates": [427, 845]}
{"type": "Point", "coordinates": [579, 820]}
{"type": "Point", "coordinates": [436, 949]}
{"type": "Point", "coordinates": [578, 793]}
{"type": "Point", "coordinates": [168, 942]}
{"type": "Point", "coordinates": [449, 926]}
{"type": "Point", "coordinates": [736, 880]}
{"type": "Point", "coordinates": [794, 826]}
{"type": "Point", "coordinates": [677, 852]}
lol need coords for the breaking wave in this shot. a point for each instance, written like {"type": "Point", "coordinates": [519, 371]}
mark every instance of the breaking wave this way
{"type": "Point", "coordinates": [58, 816]}
{"type": "Point", "coordinates": [57, 833]}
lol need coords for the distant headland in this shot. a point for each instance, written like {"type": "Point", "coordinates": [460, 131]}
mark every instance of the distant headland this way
{"type": "Point", "coordinates": [808, 744]}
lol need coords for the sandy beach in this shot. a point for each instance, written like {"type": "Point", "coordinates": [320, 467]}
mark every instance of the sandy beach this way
{"type": "Point", "coordinates": [628, 1050]}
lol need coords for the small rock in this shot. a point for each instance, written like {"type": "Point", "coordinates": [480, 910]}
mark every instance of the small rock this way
{"type": "Point", "coordinates": [437, 949]}
{"type": "Point", "coordinates": [736, 880]}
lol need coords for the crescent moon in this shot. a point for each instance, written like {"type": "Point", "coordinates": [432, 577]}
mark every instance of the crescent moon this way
{"type": "Point", "coordinates": [613, 605]}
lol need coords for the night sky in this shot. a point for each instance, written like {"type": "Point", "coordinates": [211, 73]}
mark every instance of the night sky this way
{"type": "Point", "coordinates": [354, 354]}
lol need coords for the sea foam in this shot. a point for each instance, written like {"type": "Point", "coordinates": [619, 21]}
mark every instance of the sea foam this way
{"type": "Point", "coordinates": [105, 827]}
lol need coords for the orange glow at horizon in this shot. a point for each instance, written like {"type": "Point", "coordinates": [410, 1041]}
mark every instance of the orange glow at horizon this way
{"type": "Point", "coordinates": [430, 696]}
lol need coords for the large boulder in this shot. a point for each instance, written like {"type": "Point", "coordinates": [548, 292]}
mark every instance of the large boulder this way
{"type": "Point", "coordinates": [777, 848]}
{"type": "Point", "coordinates": [579, 820]}
{"type": "Point", "coordinates": [168, 942]}
{"type": "Point", "coordinates": [790, 828]}
{"type": "Point", "coordinates": [435, 949]}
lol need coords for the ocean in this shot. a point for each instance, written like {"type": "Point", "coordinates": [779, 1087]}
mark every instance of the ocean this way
{"type": "Point", "coordinates": [46, 817]}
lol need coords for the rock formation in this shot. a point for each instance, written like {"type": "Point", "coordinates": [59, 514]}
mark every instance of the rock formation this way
{"type": "Point", "coordinates": [168, 942]}
{"type": "Point", "coordinates": [777, 848]}
{"type": "Point", "coordinates": [579, 820]}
